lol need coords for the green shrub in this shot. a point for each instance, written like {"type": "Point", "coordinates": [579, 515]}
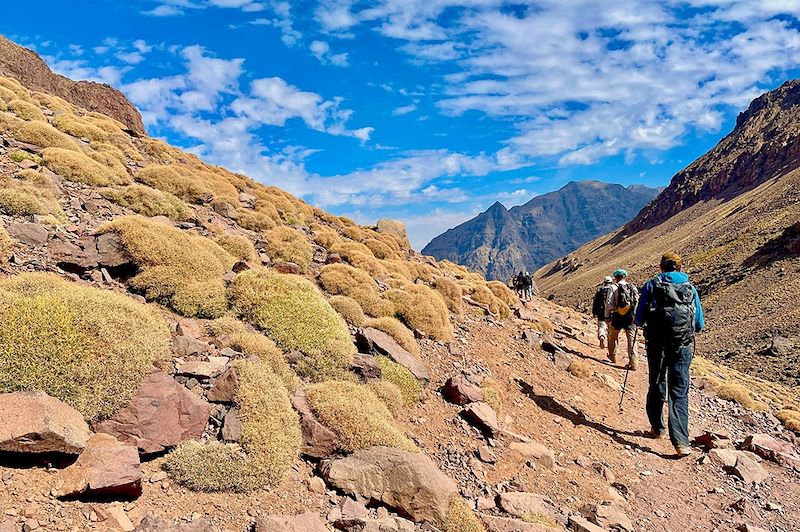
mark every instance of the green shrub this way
{"type": "Point", "coordinates": [238, 246]}
{"type": "Point", "coordinates": [75, 166]}
{"type": "Point", "coordinates": [357, 416]}
{"type": "Point", "coordinates": [401, 377]}
{"type": "Point", "coordinates": [288, 245]}
{"type": "Point", "coordinates": [86, 346]}
{"type": "Point", "coordinates": [293, 312]}
{"type": "Point", "coordinates": [40, 133]}
{"type": "Point", "coordinates": [148, 202]}
{"type": "Point", "coordinates": [344, 280]}
{"type": "Point", "coordinates": [349, 309]}
{"type": "Point", "coordinates": [422, 308]}
{"type": "Point", "coordinates": [18, 156]}
{"type": "Point", "coordinates": [178, 269]}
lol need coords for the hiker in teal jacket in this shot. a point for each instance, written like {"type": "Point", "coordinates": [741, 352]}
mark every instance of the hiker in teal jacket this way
{"type": "Point", "coordinates": [670, 312]}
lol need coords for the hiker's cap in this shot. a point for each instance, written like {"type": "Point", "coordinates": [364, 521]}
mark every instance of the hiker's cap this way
{"type": "Point", "coordinates": [671, 261]}
{"type": "Point", "coordinates": [608, 280]}
{"type": "Point", "coordinates": [619, 272]}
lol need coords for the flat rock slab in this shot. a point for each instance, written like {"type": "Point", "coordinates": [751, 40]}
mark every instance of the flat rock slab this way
{"type": "Point", "coordinates": [318, 440]}
{"type": "Point", "coordinates": [505, 524]}
{"type": "Point", "coordinates": [203, 369]}
{"type": "Point", "coordinates": [482, 416]}
{"type": "Point", "coordinates": [520, 503]}
{"type": "Point", "coordinates": [536, 451]}
{"type": "Point", "coordinates": [30, 234]}
{"type": "Point", "coordinates": [105, 467]}
{"type": "Point", "coordinates": [406, 481]}
{"type": "Point", "coordinates": [306, 522]}
{"type": "Point", "coordinates": [161, 415]}
{"type": "Point", "coordinates": [34, 422]}
{"type": "Point", "coordinates": [225, 388]}
{"type": "Point", "coordinates": [384, 344]}
{"type": "Point", "coordinates": [772, 449]}
{"type": "Point", "coordinates": [460, 391]}
{"type": "Point", "coordinates": [750, 471]}
{"type": "Point", "coordinates": [152, 523]}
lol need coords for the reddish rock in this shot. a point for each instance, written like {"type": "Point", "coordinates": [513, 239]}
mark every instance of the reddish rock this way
{"type": "Point", "coordinates": [223, 208]}
{"type": "Point", "coordinates": [382, 343]}
{"type": "Point", "coordinates": [333, 258]}
{"type": "Point", "coordinates": [225, 387]}
{"type": "Point", "coordinates": [110, 251]}
{"type": "Point", "coordinates": [306, 522]}
{"type": "Point", "coordinates": [105, 467]}
{"type": "Point", "coordinates": [409, 482]}
{"type": "Point", "coordinates": [750, 471]}
{"type": "Point", "coordinates": [460, 391]}
{"type": "Point", "coordinates": [713, 439]}
{"type": "Point", "coordinates": [366, 367]}
{"type": "Point", "coordinates": [611, 516]}
{"type": "Point", "coordinates": [505, 524]}
{"type": "Point", "coordinates": [482, 416]}
{"type": "Point", "coordinates": [525, 313]}
{"type": "Point", "coordinates": [232, 426]}
{"type": "Point", "coordinates": [203, 369]}
{"type": "Point", "coordinates": [288, 268]}
{"type": "Point", "coordinates": [152, 523]}
{"type": "Point", "coordinates": [161, 415]}
{"type": "Point", "coordinates": [581, 524]}
{"type": "Point", "coordinates": [520, 504]}
{"type": "Point", "coordinates": [30, 234]}
{"type": "Point", "coordinates": [536, 451]}
{"type": "Point", "coordinates": [723, 457]}
{"type": "Point", "coordinates": [769, 448]}
{"type": "Point", "coordinates": [34, 422]}
{"type": "Point", "coordinates": [318, 440]}
{"type": "Point", "coordinates": [187, 346]}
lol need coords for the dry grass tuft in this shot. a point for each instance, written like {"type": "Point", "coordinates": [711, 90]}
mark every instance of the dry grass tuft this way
{"type": "Point", "coordinates": [380, 249]}
{"type": "Point", "coordinates": [178, 269]}
{"type": "Point", "coordinates": [54, 103]}
{"type": "Point", "coordinates": [6, 245]}
{"type": "Point", "coordinates": [210, 467]}
{"type": "Point", "coordinates": [293, 312]}
{"type": "Point", "coordinates": [148, 202]}
{"type": "Point", "coordinates": [26, 110]}
{"type": "Point", "coordinates": [75, 166]}
{"type": "Point", "coordinates": [483, 294]}
{"type": "Point", "coordinates": [736, 392]}
{"type": "Point", "coordinates": [167, 179]}
{"type": "Point", "coordinates": [289, 245]}
{"type": "Point", "coordinates": [344, 280]}
{"type": "Point", "coordinates": [422, 308]}
{"type": "Point", "coordinates": [580, 369]}
{"type": "Point", "coordinates": [232, 333]}
{"type": "Point", "coordinates": [451, 293]}
{"type": "Point", "coordinates": [240, 247]}
{"type": "Point", "coordinates": [461, 518]}
{"type": "Point", "coordinates": [30, 193]}
{"type": "Point", "coordinates": [325, 236]}
{"type": "Point", "coordinates": [359, 256]}
{"type": "Point", "coordinates": [541, 519]}
{"type": "Point", "coordinates": [503, 293]}
{"type": "Point", "coordinates": [390, 394]}
{"type": "Point", "coordinates": [86, 346]}
{"type": "Point", "coordinates": [394, 328]}
{"type": "Point", "coordinates": [401, 377]}
{"type": "Point", "coordinates": [790, 419]}
{"type": "Point", "coordinates": [349, 309]}
{"type": "Point", "coordinates": [40, 133]}
{"type": "Point", "coordinates": [357, 416]}
{"type": "Point", "coordinates": [79, 127]}
{"type": "Point", "coordinates": [493, 391]}
{"type": "Point", "coordinates": [254, 220]}
{"type": "Point", "coordinates": [15, 87]}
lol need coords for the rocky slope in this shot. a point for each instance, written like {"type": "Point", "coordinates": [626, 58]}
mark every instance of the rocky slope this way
{"type": "Point", "coordinates": [184, 349]}
{"type": "Point", "coordinates": [733, 215]}
{"type": "Point", "coordinates": [500, 242]}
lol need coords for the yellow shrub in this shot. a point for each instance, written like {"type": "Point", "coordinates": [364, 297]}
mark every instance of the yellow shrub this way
{"type": "Point", "coordinates": [503, 293]}
{"type": "Point", "coordinates": [344, 280]}
{"type": "Point", "coordinates": [390, 394]}
{"type": "Point", "coordinates": [359, 256]}
{"type": "Point", "coordinates": [6, 95]}
{"type": "Point", "coordinates": [394, 328]}
{"type": "Point", "coordinates": [288, 245]}
{"type": "Point", "coordinates": [271, 440]}
{"type": "Point", "coordinates": [148, 202]}
{"type": "Point", "coordinates": [109, 161]}
{"type": "Point", "coordinates": [580, 369]}
{"type": "Point", "coordinates": [736, 392]}
{"type": "Point", "coordinates": [401, 377]}
{"type": "Point", "coordinates": [353, 232]}
{"type": "Point", "coordinates": [167, 179]}
{"type": "Point", "coordinates": [399, 270]}
{"type": "Point", "coordinates": [422, 308]}
{"type": "Point", "coordinates": [6, 244]}
{"type": "Point", "coordinates": [86, 346]}
{"type": "Point", "coordinates": [461, 518]}
{"type": "Point", "coordinates": [451, 293]}
{"type": "Point", "coordinates": [79, 127]}
{"type": "Point", "coordinates": [357, 416]}
{"type": "Point", "coordinates": [293, 312]}
{"type": "Point", "coordinates": [178, 269]}
{"type": "Point", "coordinates": [380, 249]}
{"type": "Point", "coordinates": [325, 236]}
{"type": "Point", "coordinates": [75, 166]}
{"type": "Point", "coordinates": [26, 110]}
{"type": "Point", "coordinates": [232, 333]}
{"type": "Point", "coordinates": [9, 124]}
{"type": "Point", "coordinates": [26, 195]}
{"type": "Point", "coordinates": [254, 220]}
{"type": "Point", "coordinates": [493, 395]}
{"type": "Point", "coordinates": [17, 88]}
{"type": "Point", "coordinates": [790, 419]}
{"type": "Point", "coordinates": [54, 103]}
{"type": "Point", "coordinates": [349, 309]}
{"type": "Point", "coordinates": [239, 246]}
{"type": "Point", "coordinates": [265, 207]}
{"type": "Point", "coordinates": [482, 294]}
{"type": "Point", "coordinates": [40, 133]}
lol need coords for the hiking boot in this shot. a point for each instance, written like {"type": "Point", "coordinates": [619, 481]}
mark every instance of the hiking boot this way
{"type": "Point", "coordinates": [612, 357]}
{"type": "Point", "coordinates": [683, 450]}
{"type": "Point", "coordinates": [654, 434]}
{"type": "Point", "coordinates": [633, 364]}
{"type": "Point", "coordinates": [602, 343]}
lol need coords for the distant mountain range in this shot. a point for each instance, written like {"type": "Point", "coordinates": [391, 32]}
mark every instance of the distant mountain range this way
{"type": "Point", "coordinates": [499, 241]}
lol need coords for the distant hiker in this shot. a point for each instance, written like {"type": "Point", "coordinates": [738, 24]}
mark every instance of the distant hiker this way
{"type": "Point", "coordinates": [671, 314]}
{"type": "Point", "coordinates": [527, 282]}
{"type": "Point", "coordinates": [519, 284]}
{"type": "Point", "coordinates": [601, 308]}
{"type": "Point", "coordinates": [623, 308]}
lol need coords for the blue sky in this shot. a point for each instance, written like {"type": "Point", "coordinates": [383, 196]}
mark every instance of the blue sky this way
{"type": "Point", "coordinates": [426, 111]}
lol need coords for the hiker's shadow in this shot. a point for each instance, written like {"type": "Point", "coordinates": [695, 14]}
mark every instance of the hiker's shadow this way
{"type": "Point", "coordinates": [549, 404]}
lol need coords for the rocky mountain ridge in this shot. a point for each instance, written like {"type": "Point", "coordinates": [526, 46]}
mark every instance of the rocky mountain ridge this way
{"type": "Point", "coordinates": [500, 241]}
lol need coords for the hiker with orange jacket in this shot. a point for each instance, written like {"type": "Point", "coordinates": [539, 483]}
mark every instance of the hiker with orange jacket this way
{"type": "Point", "coordinates": [671, 314]}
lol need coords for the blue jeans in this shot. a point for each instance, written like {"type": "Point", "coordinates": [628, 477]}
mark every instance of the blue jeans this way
{"type": "Point", "coordinates": [669, 382]}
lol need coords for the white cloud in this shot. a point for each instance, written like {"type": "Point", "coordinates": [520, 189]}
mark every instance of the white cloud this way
{"type": "Point", "coordinates": [322, 51]}
{"type": "Point", "coordinates": [405, 109]}
{"type": "Point", "coordinates": [164, 11]}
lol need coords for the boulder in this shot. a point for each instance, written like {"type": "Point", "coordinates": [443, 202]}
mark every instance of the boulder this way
{"type": "Point", "coordinates": [187, 345]}
{"type": "Point", "coordinates": [460, 391]}
{"type": "Point", "coordinates": [366, 367]}
{"type": "Point", "coordinates": [288, 268]}
{"type": "Point", "coordinates": [382, 343]}
{"type": "Point", "coordinates": [611, 517]}
{"type": "Point", "coordinates": [225, 387]}
{"type": "Point", "coordinates": [232, 426]}
{"type": "Point", "coordinates": [520, 503]}
{"type": "Point", "coordinates": [30, 234]}
{"type": "Point", "coordinates": [750, 471]}
{"type": "Point", "coordinates": [113, 518]}
{"type": "Point", "coordinates": [581, 524]}
{"type": "Point", "coordinates": [34, 422]}
{"type": "Point", "coordinates": [203, 369]}
{"type": "Point", "coordinates": [482, 416]}
{"type": "Point", "coordinates": [524, 313]}
{"type": "Point", "coordinates": [152, 523]}
{"type": "Point", "coordinates": [408, 482]}
{"type": "Point", "coordinates": [772, 449]}
{"type": "Point", "coordinates": [780, 346]}
{"type": "Point", "coordinates": [505, 524]}
{"type": "Point", "coordinates": [305, 522]}
{"type": "Point", "coordinates": [389, 524]}
{"type": "Point", "coordinates": [161, 415]}
{"type": "Point", "coordinates": [536, 451]}
{"type": "Point", "coordinates": [223, 208]}
{"type": "Point", "coordinates": [723, 457]}
{"type": "Point", "coordinates": [111, 251]}
{"type": "Point", "coordinates": [562, 360]}
{"type": "Point", "coordinates": [318, 440]}
{"type": "Point", "coordinates": [105, 467]}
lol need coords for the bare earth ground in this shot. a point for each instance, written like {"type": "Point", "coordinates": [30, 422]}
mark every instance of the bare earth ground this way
{"type": "Point", "coordinates": [577, 418]}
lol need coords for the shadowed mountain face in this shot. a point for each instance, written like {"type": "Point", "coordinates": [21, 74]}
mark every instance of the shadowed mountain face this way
{"type": "Point", "coordinates": [499, 242]}
{"type": "Point", "coordinates": [734, 215]}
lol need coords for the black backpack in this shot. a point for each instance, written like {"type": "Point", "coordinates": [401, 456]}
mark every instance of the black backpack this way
{"type": "Point", "coordinates": [599, 303]}
{"type": "Point", "coordinates": [671, 315]}
{"type": "Point", "coordinates": [627, 298]}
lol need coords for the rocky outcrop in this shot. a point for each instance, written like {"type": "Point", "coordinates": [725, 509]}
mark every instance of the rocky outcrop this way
{"type": "Point", "coordinates": [106, 467]}
{"type": "Point", "coordinates": [161, 415]}
{"type": "Point", "coordinates": [408, 482]}
{"type": "Point", "coordinates": [306, 522]}
{"type": "Point", "coordinates": [769, 448]}
{"type": "Point", "coordinates": [34, 422]}
{"type": "Point", "coordinates": [29, 69]}
{"type": "Point", "coordinates": [380, 342]}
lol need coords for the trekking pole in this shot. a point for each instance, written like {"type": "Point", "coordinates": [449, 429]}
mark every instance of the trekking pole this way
{"type": "Point", "coordinates": [627, 371]}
